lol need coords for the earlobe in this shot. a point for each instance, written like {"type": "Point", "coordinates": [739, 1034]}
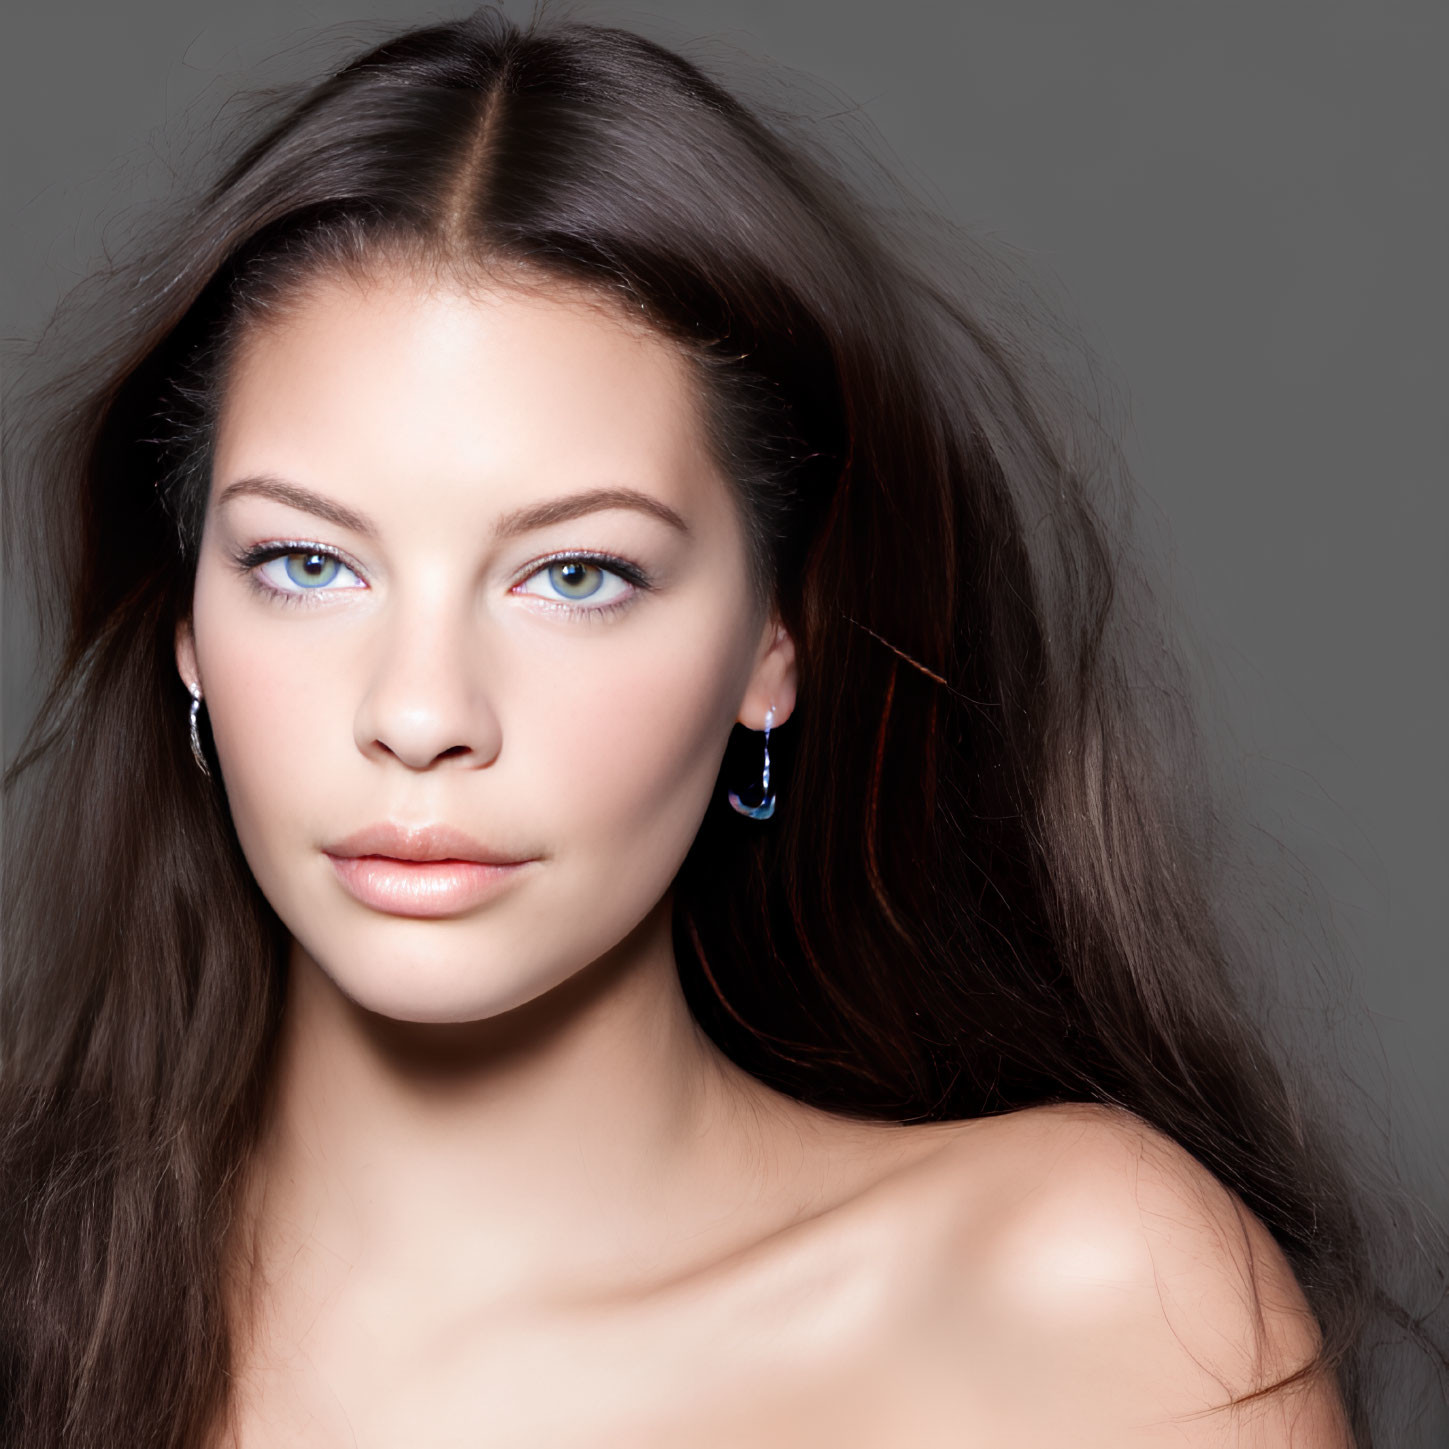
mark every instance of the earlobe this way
{"type": "Point", "coordinates": [774, 682]}
{"type": "Point", "coordinates": [186, 655]}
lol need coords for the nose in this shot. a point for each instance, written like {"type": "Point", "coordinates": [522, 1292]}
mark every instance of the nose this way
{"type": "Point", "coordinates": [424, 703]}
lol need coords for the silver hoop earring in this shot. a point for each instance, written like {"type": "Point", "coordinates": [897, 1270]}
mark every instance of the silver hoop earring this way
{"type": "Point", "coordinates": [195, 733]}
{"type": "Point", "coordinates": [766, 807]}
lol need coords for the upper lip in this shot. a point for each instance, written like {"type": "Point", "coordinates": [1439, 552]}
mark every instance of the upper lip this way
{"type": "Point", "coordinates": [422, 842]}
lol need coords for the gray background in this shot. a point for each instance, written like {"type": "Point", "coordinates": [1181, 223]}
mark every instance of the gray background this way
{"type": "Point", "coordinates": [1242, 205]}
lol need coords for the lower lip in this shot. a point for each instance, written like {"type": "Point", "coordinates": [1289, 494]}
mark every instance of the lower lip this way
{"type": "Point", "coordinates": [422, 887]}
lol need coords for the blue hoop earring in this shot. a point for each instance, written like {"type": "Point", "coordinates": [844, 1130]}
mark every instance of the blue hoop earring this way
{"type": "Point", "coordinates": [766, 807]}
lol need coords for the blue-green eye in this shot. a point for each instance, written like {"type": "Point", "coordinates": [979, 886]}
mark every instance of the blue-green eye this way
{"type": "Point", "coordinates": [311, 570]}
{"type": "Point", "coordinates": [578, 580]}
{"type": "Point", "coordinates": [575, 579]}
{"type": "Point", "coordinates": [306, 570]}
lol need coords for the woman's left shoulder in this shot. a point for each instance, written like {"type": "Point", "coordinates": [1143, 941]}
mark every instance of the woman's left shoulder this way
{"type": "Point", "coordinates": [1092, 1272]}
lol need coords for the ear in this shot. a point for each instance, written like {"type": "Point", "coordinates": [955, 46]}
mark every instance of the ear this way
{"type": "Point", "coordinates": [186, 654]}
{"type": "Point", "coordinates": [773, 680]}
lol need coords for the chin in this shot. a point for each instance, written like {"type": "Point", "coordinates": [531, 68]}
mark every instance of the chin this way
{"type": "Point", "coordinates": [429, 988]}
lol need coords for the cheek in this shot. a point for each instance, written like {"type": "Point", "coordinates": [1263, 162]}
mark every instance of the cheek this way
{"type": "Point", "coordinates": [277, 706]}
{"type": "Point", "coordinates": [633, 731]}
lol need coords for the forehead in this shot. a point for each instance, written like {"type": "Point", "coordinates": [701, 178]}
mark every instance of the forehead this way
{"type": "Point", "coordinates": [417, 388]}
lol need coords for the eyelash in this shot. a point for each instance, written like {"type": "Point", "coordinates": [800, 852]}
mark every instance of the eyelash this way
{"type": "Point", "coordinates": [248, 561]}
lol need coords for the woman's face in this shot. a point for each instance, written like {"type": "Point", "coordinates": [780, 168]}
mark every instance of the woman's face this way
{"type": "Point", "coordinates": [403, 627]}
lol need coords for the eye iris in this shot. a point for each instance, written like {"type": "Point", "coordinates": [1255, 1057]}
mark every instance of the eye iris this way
{"type": "Point", "coordinates": [311, 570]}
{"type": "Point", "coordinates": [576, 579]}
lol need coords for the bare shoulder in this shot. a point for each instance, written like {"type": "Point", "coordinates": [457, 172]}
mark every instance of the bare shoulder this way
{"type": "Point", "coordinates": [1091, 1281]}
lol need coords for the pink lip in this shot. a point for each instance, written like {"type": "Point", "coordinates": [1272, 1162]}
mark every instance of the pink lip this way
{"type": "Point", "coordinates": [431, 871]}
{"type": "Point", "coordinates": [421, 888]}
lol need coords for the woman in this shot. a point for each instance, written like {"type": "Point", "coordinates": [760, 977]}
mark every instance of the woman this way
{"type": "Point", "coordinates": [431, 1019]}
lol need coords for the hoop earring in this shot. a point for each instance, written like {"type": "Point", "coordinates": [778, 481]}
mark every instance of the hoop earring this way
{"type": "Point", "coordinates": [196, 753]}
{"type": "Point", "coordinates": [766, 807]}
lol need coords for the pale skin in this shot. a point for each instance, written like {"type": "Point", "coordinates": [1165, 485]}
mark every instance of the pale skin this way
{"type": "Point", "coordinates": [510, 1195]}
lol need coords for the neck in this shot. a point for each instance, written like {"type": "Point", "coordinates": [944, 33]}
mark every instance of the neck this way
{"type": "Point", "coordinates": [566, 1146]}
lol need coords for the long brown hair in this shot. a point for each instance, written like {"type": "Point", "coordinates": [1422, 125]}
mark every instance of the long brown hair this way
{"type": "Point", "coordinates": [990, 881]}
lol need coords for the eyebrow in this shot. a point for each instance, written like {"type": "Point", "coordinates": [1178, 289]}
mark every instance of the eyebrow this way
{"type": "Point", "coordinates": [520, 520]}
